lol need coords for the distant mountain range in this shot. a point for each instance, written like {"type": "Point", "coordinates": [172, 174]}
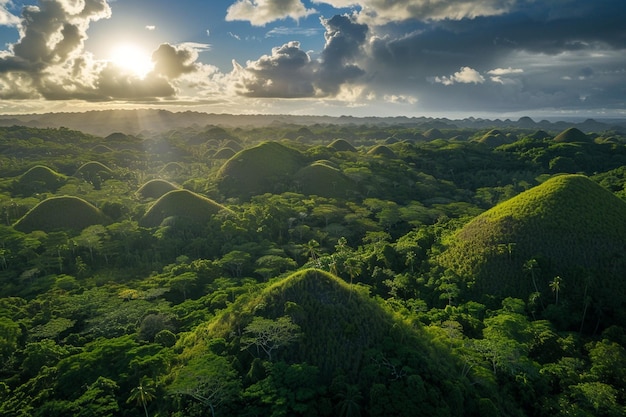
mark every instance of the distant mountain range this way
{"type": "Point", "coordinates": [105, 122]}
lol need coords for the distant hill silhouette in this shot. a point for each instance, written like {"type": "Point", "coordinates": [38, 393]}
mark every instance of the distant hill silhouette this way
{"type": "Point", "coordinates": [180, 203]}
{"type": "Point", "coordinates": [60, 213]}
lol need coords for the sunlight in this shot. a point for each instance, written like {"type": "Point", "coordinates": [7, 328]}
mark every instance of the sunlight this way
{"type": "Point", "coordinates": [131, 58]}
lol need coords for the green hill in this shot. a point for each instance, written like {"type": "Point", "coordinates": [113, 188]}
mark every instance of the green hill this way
{"type": "Point", "coordinates": [60, 213]}
{"type": "Point", "coordinates": [342, 145]}
{"type": "Point", "coordinates": [382, 150]}
{"type": "Point", "coordinates": [90, 170]}
{"type": "Point", "coordinates": [38, 179]}
{"type": "Point", "coordinates": [155, 188]}
{"type": "Point", "coordinates": [572, 135]}
{"type": "Point", "coordinates": [324, 180]}
{"type": "Point", "coordinates": [267, 167]}
{"type": "Point", "coordinates": [180, 203]}
{"type": "Point", "coordinates": [572, 226]}
{"type": "Point", "coordinates": [347, 336]}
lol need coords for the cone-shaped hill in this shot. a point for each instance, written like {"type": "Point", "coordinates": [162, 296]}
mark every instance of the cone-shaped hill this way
{"type": "Point", "coordinates": [92, 169]}
{"type": "Point", "coordinates": [382, 150]}
{"type": "Point", "coordinates": [343, 331]}
{"type": "Point", "coordinates": [572, 226]}
{"type": "Point", "coordinates": [38, 179]}
{"type": "Point", "coordinates": [267, 167]}
{"type": "Point", "coordinates": [325, 181]}
{"type": "Point", "coordinates": [572, 135]}
{"type": "Point", "coordinates": [180, 203]}
{"type": "Point", "coordinates": [60, 213]}
{"type": "Point", "coordinates": [155, 188]}
{"type": "Point", "coordinates": [342, 145]}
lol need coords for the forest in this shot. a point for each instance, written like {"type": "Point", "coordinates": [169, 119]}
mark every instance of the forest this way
{"type": "Point", "coordinates": [313, 270]}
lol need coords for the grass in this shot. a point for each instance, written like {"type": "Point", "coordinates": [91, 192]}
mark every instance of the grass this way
{"type": "Point", "coordinates": [323, 180]}
{"type": "Point", "coordinates": [60, 213]}
{"type": "Point", "coordinates": [569, 222]}
{"type": "Point", "coordinates": [259, 169]}
{"type": "Point", "coordinates": [180, 203]}
{"type": "Point", "coordinates": [155, 188]}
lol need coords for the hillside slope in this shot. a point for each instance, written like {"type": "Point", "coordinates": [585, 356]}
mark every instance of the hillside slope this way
{"type": "Point", "coordinates": [571, 226]}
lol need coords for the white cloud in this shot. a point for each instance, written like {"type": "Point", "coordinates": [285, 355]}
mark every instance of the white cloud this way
{"type": "Point", "coordinates": [384, 11]}
{"type": "Point", "coordinates": [505, 71]}
{"type": "Point", "coordinates": [262, 12]}
{"type": "Point", "coordinates": [6, 18]}
{"type": "Point", "coordinates": [466, 75]}
{"type": "Point", "coordinates": [150, 27]}
{"type": "Point", "coordinates": [400, 99]}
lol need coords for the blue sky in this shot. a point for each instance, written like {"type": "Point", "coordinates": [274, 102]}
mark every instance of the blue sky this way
{"type": "Point", "coordinates": [449, 58]}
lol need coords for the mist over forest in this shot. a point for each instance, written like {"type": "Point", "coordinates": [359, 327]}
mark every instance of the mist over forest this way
{"type": "Point", "coordinates": [189, 264]}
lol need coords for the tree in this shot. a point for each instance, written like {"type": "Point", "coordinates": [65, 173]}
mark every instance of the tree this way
{"type": "Point", "coordinates": [142, 394]}
{"type": "Point", "coordinates": [350, 399]}
{"type": "Point", "coordinates": [269, 335]}
{"type": "Point", "coordinates": [209, 379]}
{"type": "Point", "coordinates": [555, 286]}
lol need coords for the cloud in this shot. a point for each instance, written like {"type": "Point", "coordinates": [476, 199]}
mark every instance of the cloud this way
{"type": "Point", "coordinates": [6, 17]}
{"type": "Point", "coordinates": [262, 12]}
{"type": "Point", "coordinates": [150, 27]}
{"type": "Point", "coordinates": [466, 75]}
{"type": "Point", "coordinates": [289, 72]}
{"type": "Point", "coordinates": [174, 61]}
{"type": "Point", "coordinates": [384, 11]}
{"type": "Point", "coordinates": [344, 42]}
{"type": "Point", "coordinates": [498, 73]}
{"type": "Point", "coordinates": [49, 60]}
{"type": "Point", "coordinates": [290, 31]}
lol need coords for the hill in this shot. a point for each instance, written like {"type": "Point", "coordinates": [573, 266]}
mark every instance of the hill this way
{"type": "Point", "coordinates": [180, 203]}
{"type": "Point", "coordinates": [60, 213]}
{"type": "Point", "coordinates": [325, 181]}
{"type": "Point", "coordinates": [155, 188]}
{"type": "Point", "coordinates": [571, 226]}
{"type": "Point", "coordinates": [38, 179]}
{"type": "Point", "coordinates": [267, 167]}
{"type": "Point", "coordinates": [372, 349]}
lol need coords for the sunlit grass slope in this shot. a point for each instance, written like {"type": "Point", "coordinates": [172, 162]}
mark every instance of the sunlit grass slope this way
{"type": "Point", "coordinates": [575, 228]}
{"type": "Point", "coordinates": [572, 135]}
{"type": "Point", "coordinates": [342, 145]}
{"type": "Point", "coordinates": [60, 213]}
{"type": "Point", "coordinates": [39, 179]}
{"type": "Point", "coordinates": [155, 188]}
{"type": "Point", "coordinates": [180, 203]}
{"type": "Point", "coordinates": [260, 169]}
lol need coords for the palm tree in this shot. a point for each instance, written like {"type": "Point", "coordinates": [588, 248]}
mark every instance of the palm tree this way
{"type": "Point", "coordinates": [349, 401]}
{"type": "Point", "coordinates": [142, 394]}
{"type": "Point", "coordinates": [556, 286]}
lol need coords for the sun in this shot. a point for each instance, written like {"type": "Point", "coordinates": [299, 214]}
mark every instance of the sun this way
{"type": "Point", "coordinates": [131, 59]}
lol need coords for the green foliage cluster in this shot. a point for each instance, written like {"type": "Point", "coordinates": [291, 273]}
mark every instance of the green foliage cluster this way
{"type": "Point", "coordinates": [455, 275]}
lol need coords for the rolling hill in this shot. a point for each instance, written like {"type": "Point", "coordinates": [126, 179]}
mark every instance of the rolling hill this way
{"type": "Point", "coordinates": [571, 226]}
{"type": "Point", "coordinates": [60, 213]}
{"type": "Point", "coordinates": [180, 203]}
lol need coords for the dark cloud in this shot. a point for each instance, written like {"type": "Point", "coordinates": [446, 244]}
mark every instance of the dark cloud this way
{"type": "Point", "coordinates": [559, 59]}
{"type": "Point", "coordinates": [172, 61]}
{"type": "Point", "coordinates": [288, 73]}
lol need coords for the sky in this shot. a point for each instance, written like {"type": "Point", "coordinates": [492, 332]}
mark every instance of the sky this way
{"type": "Point", "coordinates": [437, 58]}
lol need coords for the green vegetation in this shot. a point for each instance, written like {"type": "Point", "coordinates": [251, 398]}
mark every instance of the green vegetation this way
{"type": "Point", "coordinates": [403, 270]}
